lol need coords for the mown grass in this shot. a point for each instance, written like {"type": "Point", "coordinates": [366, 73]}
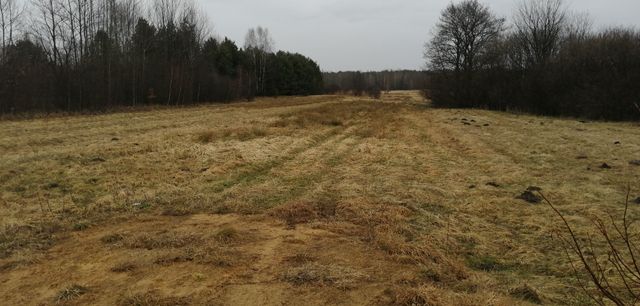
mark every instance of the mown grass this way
{"type": "Point", "coordinates": [392, 176]}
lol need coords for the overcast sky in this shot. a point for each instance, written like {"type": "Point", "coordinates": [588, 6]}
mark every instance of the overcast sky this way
{"type": "Point", "coordinates": [368, 34]}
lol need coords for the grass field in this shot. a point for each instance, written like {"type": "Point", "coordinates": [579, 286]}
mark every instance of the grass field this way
{"type": "Point", "coordinates": [325, 200]}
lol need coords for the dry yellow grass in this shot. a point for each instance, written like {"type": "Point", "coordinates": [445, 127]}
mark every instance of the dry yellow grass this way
{"type": "Point", "coordinates": [327, 200]}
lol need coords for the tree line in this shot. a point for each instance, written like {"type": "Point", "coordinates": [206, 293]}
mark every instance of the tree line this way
{"type": "Point", "coordinates": [546, 60]}
{"type": "Point", "coordinates": [372, 83]}
{"type": "Point", "coordinates": [75, 55]}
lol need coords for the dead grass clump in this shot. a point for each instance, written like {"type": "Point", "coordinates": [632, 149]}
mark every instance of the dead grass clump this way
{"type": "Point", "coordinates": [527, 293]}
{"type": "Point", "coordinates": [211, 254]}
{"type": "Point", "coordinates": [372, 215]}
{"type": "Point", "coordinates": [388, 130]}
{"type": "Point", "coordinates": [227, 235]}
{"type": "Point", "coordinates": [251, 133]}
{"type": "Point", "coordinates": [37, 236]}
{"type": "Point", "coordinates": [173, 258]}
{"type": "Point", "coordinates": [206, 137]}
{"type": "Point", "coordinates": [295, 213]}
{"type": "Point", "coordinates": [241, 133]}
{"type": "Point", "coordinates": [438, 268]}
{"type": "Point", "coordinates": [299, 259]}
{"type": "Point", "coordinates": [331, 115]}
{"type": "Point", "coordinates": [432, 275]}
{"type": "Point", "coordinates": [486, 263]}
{"type": "Point", "coordinates": [326, 207]}
{"type": "Point", "coordinates": [81, 226]}
{"type": "Point", "coordinates": [329, 275]}
{"type": "Point", "coordinates": [112, 238]}
{"type": "Point", "coordinates": [218, 257]}
{"type": "Point", "coordinates": [177, 212]}
{"type": "Point", "coordinates": [365, 132]}
{"type": "Point", "coordinates": [9, 266]}
{"type": "Point", "coordinates": [332, 122]}
{"type": "Point", "coordinates": [391, 242]}
{"type": "Point", "coordinates": [162, 240]}
{"type": "Point", "coordinates": [70, 293]}
{"type": "Point", "coordinates": [403, 296]}
{"type": "Point", "coordinates": [280, 123]}
{"type": "Point", "coordinates": [152, 298]}
{"type": "Point", "coordinates": [124, 267]}
{"type": "Point", "coordinates": [222, 209]}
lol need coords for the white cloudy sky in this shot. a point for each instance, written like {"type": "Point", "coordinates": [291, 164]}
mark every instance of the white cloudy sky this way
{"type": "Point", "coordinates": [368, 34]}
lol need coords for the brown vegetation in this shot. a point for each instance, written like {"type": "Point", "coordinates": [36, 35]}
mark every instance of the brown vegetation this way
{"type": "Point", "coordinates": [374, 210]}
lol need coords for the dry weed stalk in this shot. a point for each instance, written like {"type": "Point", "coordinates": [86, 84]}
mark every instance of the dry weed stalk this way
{"type": "Point", "coordinates": [616, 278]}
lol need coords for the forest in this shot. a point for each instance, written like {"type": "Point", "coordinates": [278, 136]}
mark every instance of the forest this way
{"type": "Point", "coordinates": [76, 55]}
{"type": "Point", "coordinates": [359, 83]}
{"type": "Point", "coordinates": [547, 59]}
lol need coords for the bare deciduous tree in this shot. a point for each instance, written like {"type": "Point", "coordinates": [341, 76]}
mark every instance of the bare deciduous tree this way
{"type": "Point", "coordinates": [539, 28]}
{"type": "Point", "coordinates": [578, 26]}
{"type": "Point", "coordinates": [10, 14]}
{"type": "Point", "coordinates": [259, 45]}
{"type": "Point", "coordinates": [46, 25]}
{"type": "Point", "coordinates": [462, 38]}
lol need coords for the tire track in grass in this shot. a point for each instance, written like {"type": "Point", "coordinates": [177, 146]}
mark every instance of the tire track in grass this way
{"type": "Point", "coordinates": [323, 168]}
{"type": "Point", "coordinates": [304, 173]}
{"type": "Point", "coordinates": [312, 171]}
{"type": "Point", "coordinates": [258, 172]}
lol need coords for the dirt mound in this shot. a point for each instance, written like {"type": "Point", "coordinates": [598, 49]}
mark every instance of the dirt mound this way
{"type": "Point", "coordinates": [530, 197]}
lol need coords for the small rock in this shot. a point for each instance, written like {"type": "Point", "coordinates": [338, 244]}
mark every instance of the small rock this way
{"type": "Point", "coordinates": [98, 160]}
{"type": "Point", "coordinates": [466, 123]}
{"type": "Point", "coordinates": [472, 187]}
{"type": "Point", "coordinates": [635, 162]}
{"type": "Point", "coordinates": [617, 143]}
{"type": "Point", "coordinates": [637, 201]}
{"type": "Point", "coordinates": [582, 157]}
{"type": "Point", "coordinates": [605, 166]}
{"type": "Point", "coordinates": [493, 184]}
{"type": "Point", "coordinates": [115, 139]}
{"type": "Point", "coordinates": [486, 124]}
{"type": "Point", "coordinates": [530, 197]}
